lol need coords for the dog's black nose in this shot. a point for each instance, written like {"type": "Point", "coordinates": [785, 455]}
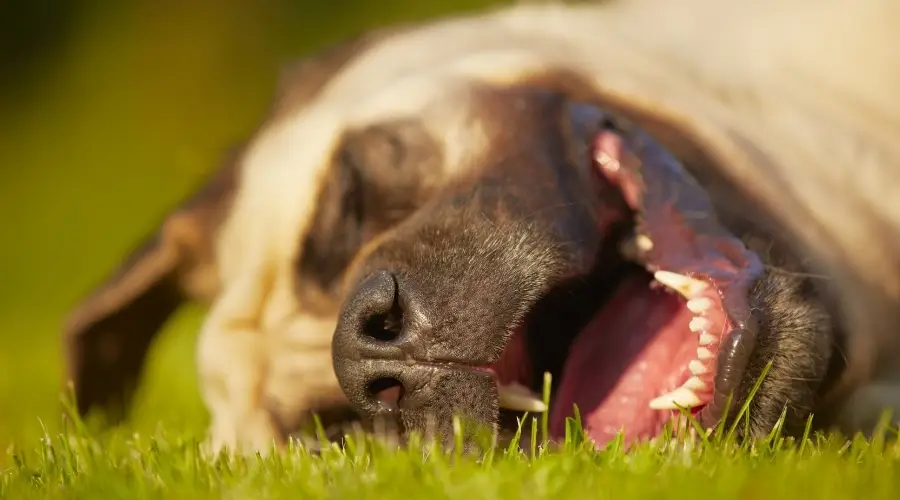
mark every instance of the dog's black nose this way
{"type": "Point", "coordinates": [390, 360]}
{"type": "Point", "coordinates": [376, 341]}
{"type": "Point", "coordinates": [378, 318]}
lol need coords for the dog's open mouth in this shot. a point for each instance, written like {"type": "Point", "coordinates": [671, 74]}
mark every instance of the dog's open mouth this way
{"type": "Point", "coordinates": [673, 330]}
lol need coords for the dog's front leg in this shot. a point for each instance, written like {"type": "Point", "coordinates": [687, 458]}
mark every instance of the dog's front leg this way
{"type": "Point", "coordinates": [232, 360]}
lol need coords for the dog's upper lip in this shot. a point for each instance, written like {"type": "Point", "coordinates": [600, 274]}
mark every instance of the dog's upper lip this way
{"type": "Point", "coordinates": [683, 235]}
{"type": "Point", "coordinates": [440, 363]}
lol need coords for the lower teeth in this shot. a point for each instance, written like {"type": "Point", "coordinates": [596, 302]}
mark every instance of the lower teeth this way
{"type": "Point", "coordinates": [518, 398]}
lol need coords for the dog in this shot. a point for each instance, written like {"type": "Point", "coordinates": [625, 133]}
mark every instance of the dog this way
{"type": "Point", "coordinates": [661, 204]}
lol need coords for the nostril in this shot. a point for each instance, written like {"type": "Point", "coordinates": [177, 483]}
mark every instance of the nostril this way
{"type": "Point", "coordinates": [385, 327]}
{"type": "Point", "coordinates": [387, 390]}
{"type": "Point", "coordinates": [375, 311]}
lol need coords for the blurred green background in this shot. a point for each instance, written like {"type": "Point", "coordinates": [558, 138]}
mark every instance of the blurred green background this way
{"type": "Point", "coordinates": [111, 112]}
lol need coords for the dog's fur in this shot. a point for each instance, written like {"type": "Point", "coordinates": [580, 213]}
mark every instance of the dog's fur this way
{"type": "Point", "coordinates": [786, 110]}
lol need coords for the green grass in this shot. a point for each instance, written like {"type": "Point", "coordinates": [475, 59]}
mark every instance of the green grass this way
{"type": "Point", "coordinates": [171, 464]}
{"type": "Point", "coordinates": [684, 462]}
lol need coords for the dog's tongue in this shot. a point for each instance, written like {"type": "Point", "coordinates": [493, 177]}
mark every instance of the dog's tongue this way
{"type": "Point", "coordinates": [638, 346]}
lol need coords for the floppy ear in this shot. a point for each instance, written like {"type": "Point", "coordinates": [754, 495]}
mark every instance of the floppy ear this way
{"type": "Point", "coordinates": [107, 336]}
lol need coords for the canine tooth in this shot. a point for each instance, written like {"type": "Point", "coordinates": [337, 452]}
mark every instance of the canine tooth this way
{"type": "Point", "coordinates": [695, 384]}
{"type": "Point", "coordinates": [707, 339]}
{"type": "Point", "coordinates": [688, 287]}
{"type": "Point", "coordinates": [697, 367]}
{"type": "Point", "coordinates": [681, 397]}
{"type": "Point", "coordinates": [703, 354]}
{"type": "Point", "coordinates": [518, 398]}
{"type": "Point", "coordinates": [698, 324]}
{"type": "Point", "coordinates": [699, 305]}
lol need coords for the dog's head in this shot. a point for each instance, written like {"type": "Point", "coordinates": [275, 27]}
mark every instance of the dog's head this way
{"type": "Point", "coordinates": [568, 239]}
{"type": "Point", "coordinates": [483, 200]}
{"type": "Point", "coordinates": [531, 229]}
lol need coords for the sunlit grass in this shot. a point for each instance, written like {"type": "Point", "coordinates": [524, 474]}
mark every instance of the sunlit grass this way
{"type": "Point", "coordinates": [168, 464]}
{"type": "Point", "coordinates": [685, 462]}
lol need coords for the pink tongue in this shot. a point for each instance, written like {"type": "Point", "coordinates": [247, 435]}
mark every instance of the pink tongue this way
{"type": "Point", "coordinates": [637, 348]}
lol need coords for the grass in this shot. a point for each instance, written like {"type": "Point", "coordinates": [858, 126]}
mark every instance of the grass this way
{"type": "Point", "coordinates": [684, 462]}
{"type": "Point", "coordinates": [169, 465]}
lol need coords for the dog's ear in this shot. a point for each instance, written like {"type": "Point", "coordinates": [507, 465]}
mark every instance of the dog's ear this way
{"type": "Point", "coordinates": [107, 336]}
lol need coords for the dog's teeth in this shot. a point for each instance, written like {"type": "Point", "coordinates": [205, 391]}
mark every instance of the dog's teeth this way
{"type": "Point", "coordinates": [633, 247]}
{"type": "Point", "coordinates": [688, 287]}
{"type": "Point", "coordinates": [605, 160]}
{"type": "Point", "coordinates": [698, 368]}
{"type": "Point", "coordinates": [707, 339]}
{"type": "Point", "coordinates": [703, 354]}
{"type": "Point", "coordinates": [699, 324]}
{"type": "Point", "coordinates": [695, 384]}
{"type": "Point", "coordinates": [518, 398]}
{"type": "Point", "coordinates": [679, 398]}
{"type": "Point", "coordinates": [643, 242]}
{"type": "Point", "coordinates": [699, 305]}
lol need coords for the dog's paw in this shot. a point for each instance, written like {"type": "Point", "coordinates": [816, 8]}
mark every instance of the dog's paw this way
{"type": "Point", "coordinates": [255, 434]}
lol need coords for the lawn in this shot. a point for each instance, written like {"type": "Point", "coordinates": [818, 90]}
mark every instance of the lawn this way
{"type": "Point", "coordinates": [99, 141]}
{"type": "Point", "coordinates": [169, 463]}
